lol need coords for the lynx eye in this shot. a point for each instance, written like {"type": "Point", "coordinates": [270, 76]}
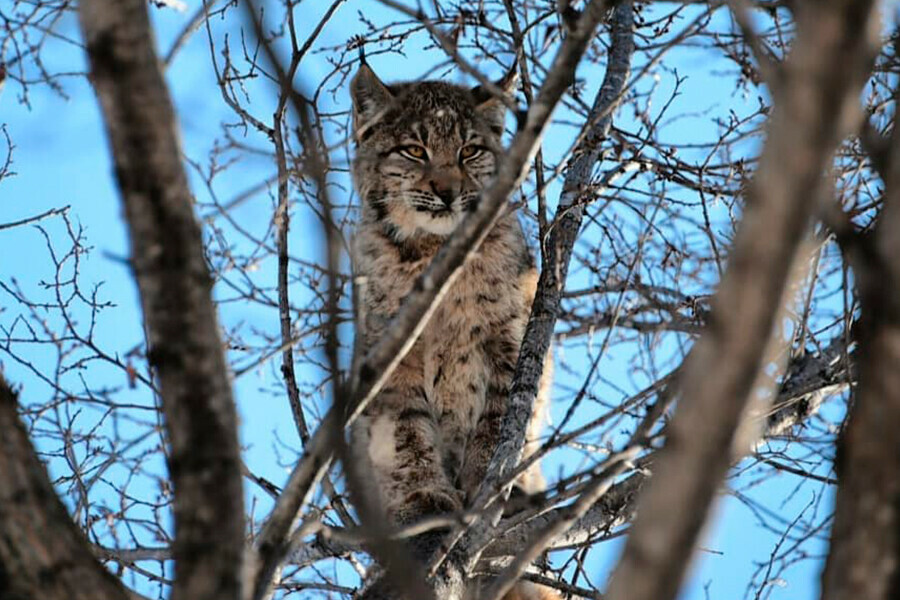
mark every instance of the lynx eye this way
{"type": "Point", "coordinates": [467, 152]}
{"type": "Point", "coordinates": [413, 152]}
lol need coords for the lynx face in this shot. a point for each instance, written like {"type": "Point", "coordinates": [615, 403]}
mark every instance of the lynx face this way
{"type": "Point", "coordinates": [424, 151]}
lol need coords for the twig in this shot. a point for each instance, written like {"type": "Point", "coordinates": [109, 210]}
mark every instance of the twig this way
{"type": "Point", "coordinates": [36, 218]}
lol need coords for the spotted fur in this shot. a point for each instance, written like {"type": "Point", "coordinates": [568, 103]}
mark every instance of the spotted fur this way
{"type": "Point", "coordinates": [424, 152]}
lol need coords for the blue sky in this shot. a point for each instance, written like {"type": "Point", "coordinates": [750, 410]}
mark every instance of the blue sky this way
{"type": "Point", "coordinates": [61, 158]}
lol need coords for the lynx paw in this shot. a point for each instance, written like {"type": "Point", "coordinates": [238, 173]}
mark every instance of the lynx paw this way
{"type": "Point", "coordinates": [519, 500]}
{"type": "Point", "coordinates": [428, 502]}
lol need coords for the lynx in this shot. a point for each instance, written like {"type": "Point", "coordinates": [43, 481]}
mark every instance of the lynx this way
{"type": "Point", "coordinates": [424, 151]}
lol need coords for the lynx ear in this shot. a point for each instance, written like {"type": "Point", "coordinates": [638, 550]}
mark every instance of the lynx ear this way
{"type": "Point", "coordinates": [493, 108]}
{"type": "Point", "coordinates": [370, 97]}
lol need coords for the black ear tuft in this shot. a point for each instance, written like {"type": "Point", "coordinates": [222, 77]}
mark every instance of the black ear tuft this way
{"type": "Point", "coordinates": [370, 97]}
{"type": "Point", "coordinates": [507, 84]}
{"type": "Point", "coordinates": [360, 43]}
{"type": "Point", "coordinates": [493, 108]}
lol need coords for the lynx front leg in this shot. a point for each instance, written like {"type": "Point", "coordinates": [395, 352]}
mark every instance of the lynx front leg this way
{"type": "Point", "coordinates": [501, 353]}
{"type": "Point", "coordinates": [400, 438]}
{"type": "Point", "coordinates": [483, 440]}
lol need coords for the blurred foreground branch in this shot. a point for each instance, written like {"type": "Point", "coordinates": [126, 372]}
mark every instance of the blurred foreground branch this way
{"type": "Point", "coordinates": [813, 109]}
{"type": "Point", "coordinates": [168, 259]}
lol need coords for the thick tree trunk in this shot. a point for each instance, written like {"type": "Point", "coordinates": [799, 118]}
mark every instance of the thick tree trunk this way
{"type": "Point", "coordinates": [864, 561]}
{"type": "Point", "coordinates": [42, 553]}
{"type": "Point", "coordinates": [175, 285]}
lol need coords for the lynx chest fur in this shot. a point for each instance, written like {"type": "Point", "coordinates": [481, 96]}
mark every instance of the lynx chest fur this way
{"type": "Point", "coordinates": [476, 327]}
{"type": "Point", "coordinates": [424, 152]}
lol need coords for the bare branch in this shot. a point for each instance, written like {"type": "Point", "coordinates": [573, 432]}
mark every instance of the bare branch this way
{"type": "Point", "coordinates": [557, 253]}
{"type": "Point", "coordinates": [799, 398]}
{"type": "Point", "coordinates": [35, 218]}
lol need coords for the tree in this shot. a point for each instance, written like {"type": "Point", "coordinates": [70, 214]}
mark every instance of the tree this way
{"type": "Point", "coordinates": [723, 300]}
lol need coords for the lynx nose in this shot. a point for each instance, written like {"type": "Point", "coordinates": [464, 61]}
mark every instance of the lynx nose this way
{"type": "Point", "coordinates": [446, 191]}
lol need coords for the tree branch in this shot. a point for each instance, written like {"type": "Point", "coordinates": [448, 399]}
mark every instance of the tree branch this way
{"type": "Point", "coordinates": [558, 251]}
{"type": "Point", "coordinates": [798, 399]}
{"type": "Point", "coordinates": [35, 218]}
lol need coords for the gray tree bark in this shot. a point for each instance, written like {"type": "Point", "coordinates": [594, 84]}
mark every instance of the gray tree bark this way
{"type": "Point", "coordinates": [558, 252]}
